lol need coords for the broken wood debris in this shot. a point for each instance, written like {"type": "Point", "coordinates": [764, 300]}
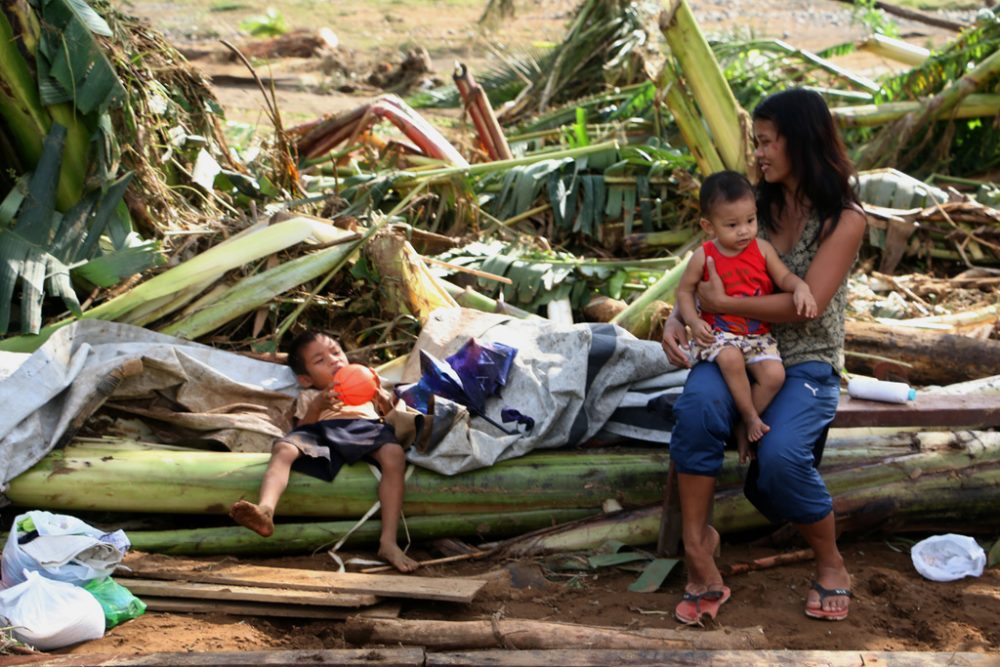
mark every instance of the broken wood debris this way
{"type": "Point", "coordinates": [187, 605]}
{"type": "Point", "coordinates": [519, 634]}
{"type": "Point", "coordinates": [445, 589]}
{"type": "Point", "coordinates": [203, 591]}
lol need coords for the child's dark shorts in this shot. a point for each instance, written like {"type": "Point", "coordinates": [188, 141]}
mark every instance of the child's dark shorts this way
{"type": "Point", "coordinates": [328, 445]}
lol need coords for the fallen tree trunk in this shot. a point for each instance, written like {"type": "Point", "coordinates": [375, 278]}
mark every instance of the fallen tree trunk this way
{"type": "Point", "coordinates": [292, 538]}
{"type": "Point", "coordinates": [117, 479]}
{"type": "Point", "coordinates": [931, 358]}
{"type": "Point", "coordinates": [946, 481]}
{"type": "Point", "coordinates": [520, 634]}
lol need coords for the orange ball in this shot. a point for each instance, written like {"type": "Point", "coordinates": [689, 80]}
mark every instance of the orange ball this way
{"type": "Point", "coordinates": [355, 384]}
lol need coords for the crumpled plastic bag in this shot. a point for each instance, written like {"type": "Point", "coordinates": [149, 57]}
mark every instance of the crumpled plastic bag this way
{"type": "Point", "coordinates": [948, 557]}
{"type": "Point", "coordinates": [63, 548]}
{"type": "Point", "coordinates": [49, 614]}
{"type": "Point", "coordinates": [118, 602]}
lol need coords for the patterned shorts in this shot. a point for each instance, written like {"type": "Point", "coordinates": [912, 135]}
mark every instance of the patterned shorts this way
{"type": "Point", "coordinates": [754, 347]}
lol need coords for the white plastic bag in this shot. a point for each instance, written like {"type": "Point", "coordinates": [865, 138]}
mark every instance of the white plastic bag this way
{"type": "Point", "coordinates": [66, 549]}
{"type": "Point", "coordinates": [948, 557]}
{"type": "Point", "coordinates": [50, 614]}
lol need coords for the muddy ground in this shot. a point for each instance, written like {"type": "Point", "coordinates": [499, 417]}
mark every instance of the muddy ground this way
{"type": "Point", "coordinates": [894, 608]}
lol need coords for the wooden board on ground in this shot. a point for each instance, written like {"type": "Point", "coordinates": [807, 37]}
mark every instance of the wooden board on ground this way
{"type": "Point", "coordinates": [185, 605]}
{"type": "Point", "coordinates": [189, 590]}
{"type": "Point", "coordinates": [383, 585]}
{"type": "Point", "coordinates": [969, 411]}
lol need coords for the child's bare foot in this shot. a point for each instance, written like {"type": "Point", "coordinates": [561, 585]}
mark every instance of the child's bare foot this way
{"type": "Point", "coordinates": [257, 518]}
{"type": "Point", "coordinates": [756, 429]}
{"type": "Point", "coordinates": [399, 560]}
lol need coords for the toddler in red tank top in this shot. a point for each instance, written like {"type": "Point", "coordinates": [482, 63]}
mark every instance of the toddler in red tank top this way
{"type": "Point", "coordinates": [748, 267]}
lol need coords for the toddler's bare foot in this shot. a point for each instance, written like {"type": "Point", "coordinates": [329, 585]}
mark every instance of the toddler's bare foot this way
{"type": "Point", "coordinates": [756, 429]}
{"type": "Point", "coordinates": [258, 519]}
{"type": "Point", "coordinates": [396, 557]}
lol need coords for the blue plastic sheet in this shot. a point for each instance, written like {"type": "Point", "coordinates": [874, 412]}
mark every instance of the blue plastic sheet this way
{"type": "Point", "coordinates": [477, 372]}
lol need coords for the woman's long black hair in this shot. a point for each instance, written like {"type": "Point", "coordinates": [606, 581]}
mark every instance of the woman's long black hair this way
{"type": "Point", "coordinates": [816, 154]}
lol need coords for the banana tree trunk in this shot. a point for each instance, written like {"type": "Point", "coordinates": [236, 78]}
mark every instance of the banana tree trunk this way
{"type": "Point", "coordinates": [111, 478]}
{"type": "Point", "coordinates": [891, 141]}
{"type": "Point", "coordinates": [727, 122]}
{"type": "Point", "coordinates": [940, 480]}
{"type": "Point", "coordinates": [289, 538]}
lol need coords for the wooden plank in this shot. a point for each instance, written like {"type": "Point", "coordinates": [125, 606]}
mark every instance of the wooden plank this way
{"type": "Point", "coordinates": [615, 658]}
{"type": "Point", "coordinates": [184, 589]}
{"type": "Point", "coordinates": [185, 605]}
{"type": "Point", "coordinates": [970, 411]}
{"type": "Point", "coordinates": [389, 657]}
{"type": "Point", "coordinates": [446, 589]}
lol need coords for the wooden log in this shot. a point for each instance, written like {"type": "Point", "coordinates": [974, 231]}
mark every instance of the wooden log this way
{"type": "Point", "coordinates": [237, 608]}
{"type": "Point", "coordinates": [447, 589]}
{"type": "Point", "coordinates": [934, 358]}
{"type": "Point", "coordinates": [194, 590]}
{"type": "Point", "coordinates": [394, 657]}
{"type": "Point", "coordinates": [614, 658]}
{"type": "Point", "coordinates": [510, 633]}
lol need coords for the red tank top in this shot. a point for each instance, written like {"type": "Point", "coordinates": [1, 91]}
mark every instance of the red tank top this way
{"type": "Point", "coordinates": [743, 275]}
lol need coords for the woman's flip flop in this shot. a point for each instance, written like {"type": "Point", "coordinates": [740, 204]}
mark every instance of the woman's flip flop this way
{"type": "Point", "coordinates": [694, 606]}
{"type": "Point", "coordinates": [829, 614]}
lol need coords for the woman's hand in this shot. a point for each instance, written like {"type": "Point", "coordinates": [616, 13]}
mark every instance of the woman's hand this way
{"type": "Point", "coordinates": [712, 293]}
{"type": "Point", "coordinates": [675, 343]}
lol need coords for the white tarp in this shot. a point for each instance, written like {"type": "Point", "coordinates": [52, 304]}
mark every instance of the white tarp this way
{"type": "Point", "coordinates": [569, 379]}
{"type": "Point", "coordinates": [44, 392]}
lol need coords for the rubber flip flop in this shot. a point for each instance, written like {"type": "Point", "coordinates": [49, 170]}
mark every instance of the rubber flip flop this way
{"type": "Point", "coordinates": [694, 606]}
{"type": "Point", "coordinates": [825, 614]}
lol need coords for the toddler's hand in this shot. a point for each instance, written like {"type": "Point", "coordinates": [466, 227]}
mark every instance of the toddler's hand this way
{"type": "Point", "coordinates": [804, 302]}
{"type": "Point", "coordinates": [702, 332]}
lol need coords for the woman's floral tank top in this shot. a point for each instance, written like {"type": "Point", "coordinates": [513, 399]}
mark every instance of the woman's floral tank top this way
{"type": "Point", "coordinates": [821, 339]}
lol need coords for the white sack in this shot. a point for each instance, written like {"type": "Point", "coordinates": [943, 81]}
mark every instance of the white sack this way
{"type": "Point", "coordinates": [51, 614]}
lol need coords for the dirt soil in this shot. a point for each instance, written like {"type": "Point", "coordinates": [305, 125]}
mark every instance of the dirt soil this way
{"type": "Point", "coordinates": [894, 609]}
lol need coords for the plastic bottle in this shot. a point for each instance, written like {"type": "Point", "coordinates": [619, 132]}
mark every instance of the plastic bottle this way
{"type": "Point", "coordinates": [871, 389]}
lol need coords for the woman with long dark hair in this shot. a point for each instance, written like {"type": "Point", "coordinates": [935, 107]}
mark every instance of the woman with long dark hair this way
{"type": "Point", "coordinates": [810, 214]}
